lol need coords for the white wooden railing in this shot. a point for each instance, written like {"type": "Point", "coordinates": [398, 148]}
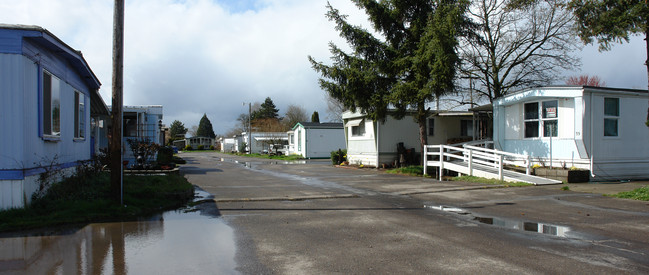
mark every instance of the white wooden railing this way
{"type": "Point", "coordinates": [471, 153]}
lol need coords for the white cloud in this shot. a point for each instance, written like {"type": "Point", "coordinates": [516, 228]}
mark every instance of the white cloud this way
{"type": "Point", "coordinates": [202, 56]}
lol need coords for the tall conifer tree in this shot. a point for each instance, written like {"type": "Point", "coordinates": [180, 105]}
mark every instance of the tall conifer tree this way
{"type": "Point", "coordinates": [413, 65]}
{"type": "Point", "coordinates": [205, 128]}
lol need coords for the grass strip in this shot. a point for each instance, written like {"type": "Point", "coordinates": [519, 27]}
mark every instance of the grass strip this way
{"type": "Point", "coordinates": [82, 200]}
{"type": "Point", "coordinates": [641, 194]}
{"type": "Point", "coordinates": [415, 171]}
{"type": "Point", "coordinates": [491, 181]}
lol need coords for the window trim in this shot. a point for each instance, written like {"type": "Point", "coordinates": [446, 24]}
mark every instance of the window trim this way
{"type": "Point", "coordinates": [47, 117]}
{"type": "Point", "coordinates": [609, 117]}
{"type": "Point", "coordinates": [541, 119]}
{"type": "Point", "coordinates": [79, 116]}
{"type": "Point", "coordinates": [430, 130]}
{"type": "Point", "coordinates": [361, 129]}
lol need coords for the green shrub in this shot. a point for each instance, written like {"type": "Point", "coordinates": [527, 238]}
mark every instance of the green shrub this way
{"type": "Point", "coordinates": [212, 147]}
{"type": "Point", "coordinates": [165, 155]}
{"type": "Point", "coordinates": [337, 157]}
{"type": "Point", "coordinates": [179, 160]}
{"type": "Point", "coordinates": [200, 147]}
{"type": "Point", "coordinates": [188, 147]}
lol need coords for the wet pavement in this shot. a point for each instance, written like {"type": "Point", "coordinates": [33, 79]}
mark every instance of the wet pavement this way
{"type": "Point", "coordinates": [260, 216]}
{"type": "Point", "coordinates": [188, 240]}
{"type": "Point", "coordinates": [313, 218]}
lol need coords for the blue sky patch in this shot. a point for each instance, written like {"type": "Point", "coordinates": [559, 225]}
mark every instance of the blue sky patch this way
{"type": "Point", "coordinates": [241, 6]}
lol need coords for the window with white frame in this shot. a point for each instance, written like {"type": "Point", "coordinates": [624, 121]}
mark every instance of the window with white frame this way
{"type": "Point", "coordinates": [359, 130]}
{"type": "Point", "coordinates": [299, 139]}
{"type": "Point", "coordinates": [541, 117]}
{"type": "Point", "coordinates": [51, 105]}
{"type": "Point", "coordinates": [611, 116]}
{"type": "Point", "coordinates": [549, 117]}
{"type": "Point", "coordinates": [79, 115]}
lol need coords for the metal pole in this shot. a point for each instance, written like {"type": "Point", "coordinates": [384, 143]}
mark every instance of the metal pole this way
{"type": "Point", "coordinates": [249, 128]}
{"type": "Point", "coordinates": [116, 166]}
{"type": "Point", "coordinates": [551, 145]}
{"type": "Point", "coordinates": [470, 162]}
{"type": "Point", "coordinates": [441, 161]}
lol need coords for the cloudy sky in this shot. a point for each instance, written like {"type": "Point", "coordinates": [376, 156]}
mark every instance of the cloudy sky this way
{"type": "Point", "coordinates": [210, 56]}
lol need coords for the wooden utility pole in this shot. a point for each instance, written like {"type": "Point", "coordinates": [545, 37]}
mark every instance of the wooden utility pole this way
{"type": "Point", "coordinates": [116, 168]}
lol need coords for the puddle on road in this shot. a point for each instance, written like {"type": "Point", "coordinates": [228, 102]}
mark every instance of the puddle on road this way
{"type": "Point", "coordinates": [174, 242]}
{"type": "Point", "coordinates": [542, 228]}
{"type": "Point", "coordinates": [249, 164]}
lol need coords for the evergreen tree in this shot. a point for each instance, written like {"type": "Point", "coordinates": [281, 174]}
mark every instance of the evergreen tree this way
{"type": "Point", "coordinates": [315, 117]}
{"type": "Point", "coordinates": [267, 110]}
{"type": "Point", "coordinates": [177, 130]}
{"type": "Point", "coordinates": [612, 21]}
{"type": "Point", "coordinates": [205, 128]}
{"type": "Point", "coordinates": [415, 64]}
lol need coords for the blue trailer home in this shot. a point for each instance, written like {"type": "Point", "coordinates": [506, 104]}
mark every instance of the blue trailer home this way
{"type": "Point", "coordinates": [50, 110]}
{"type": "Point", "coordinates": [140, 123]}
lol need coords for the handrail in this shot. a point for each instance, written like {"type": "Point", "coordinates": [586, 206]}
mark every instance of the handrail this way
{"type": "Point", "coordinates": [472, 154]}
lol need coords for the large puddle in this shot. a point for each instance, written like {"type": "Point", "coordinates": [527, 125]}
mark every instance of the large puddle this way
{"type": "Point", "coordinates": [529, 226]}
{"type": "Point", "coordinates": [175, 242]}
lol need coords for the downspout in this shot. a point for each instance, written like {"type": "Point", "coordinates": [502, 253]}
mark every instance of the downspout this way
{"type": "Point", "coordinates": [592, 149]}
{"type": "Point", "coordinates": [306, 149]}
{"type": "Point", "coordinates": [377, 144]}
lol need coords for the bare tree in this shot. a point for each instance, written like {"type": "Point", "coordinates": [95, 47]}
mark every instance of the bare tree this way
{"type": "Point", "coordinates": [585, 80]}
{"type": "Point", "coordinates": [243, 118]}
{"type": "Point", "coordinates": [192, 130]}
{"type": "Point", "coordinates": [234, 131]}
{"type": "Point", "coordinates": [518, 44]}
{"type": "Point", "coordinates": [335, 109]}
{"type": "Point", "coordinates": [293, 115]}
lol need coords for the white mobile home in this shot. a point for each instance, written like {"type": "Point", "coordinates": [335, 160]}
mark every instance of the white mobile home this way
{"type": "Point", "coordinates": [372, 143]}
{"type": "Point", "coordinates": [50, 110]}
{"type": "Point", "coordinates": [315, 140]}
{"type": "Point", "coordinates": [262, 141]}
{"type": "Point", "coordinates": [601, 129]}
{"type": "Point", "coordinates": [229, 144]}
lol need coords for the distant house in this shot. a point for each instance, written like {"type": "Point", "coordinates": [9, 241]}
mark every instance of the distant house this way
{"type": "Point", "coordinates": [50, 110]}
{"type": "Point", "coordinates": [230, 144]}
{"type": "Point", "coordinates": [141, 123]}
{"type": "Point", "coordinates": [373, 143]}
{"type": "Point", "coordinates": [262, 142]}
{"type": "Point", "coordinates": [601, 129]}
{"type": "Point", "coordinates": [195, 142]}
{"type": "Point", "coordinates": [315, 140]}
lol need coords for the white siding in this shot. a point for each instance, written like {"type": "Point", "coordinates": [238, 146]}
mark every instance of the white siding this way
{"type": "Point", "coordinates": [362, 150]}
{"type": "Point", "coordinates": [513, 123]}
{"type": "Point", "coordinates": [394, 131]}
{"type": "Point", "coordinates": [320, 142]}
{"type": "Point", "coordinates": [581, 130]}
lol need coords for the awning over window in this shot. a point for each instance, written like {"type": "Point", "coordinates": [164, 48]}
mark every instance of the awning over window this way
{"type": "Point", "coordinates": [270, 138]}
{"type": "Point", "coordinates": [354, 122]}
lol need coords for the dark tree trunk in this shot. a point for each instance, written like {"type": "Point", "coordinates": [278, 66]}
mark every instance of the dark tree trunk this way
{"type": "Point", "coordinates": [422, 115]}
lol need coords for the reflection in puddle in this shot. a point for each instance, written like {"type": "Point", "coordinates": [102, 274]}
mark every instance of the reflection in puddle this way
{"type": "Point", "coordinates": [174, 242]}
{"type": "Point", "coordinates": [554, 230]}
{"type": "Point", "coordinates": [250, 164]}
{"type": "Point", "coordinates": [548, 229]}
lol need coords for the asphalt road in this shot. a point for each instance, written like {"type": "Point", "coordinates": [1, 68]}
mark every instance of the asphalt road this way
{"type": "Point", "coordinates": [312, 218]}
